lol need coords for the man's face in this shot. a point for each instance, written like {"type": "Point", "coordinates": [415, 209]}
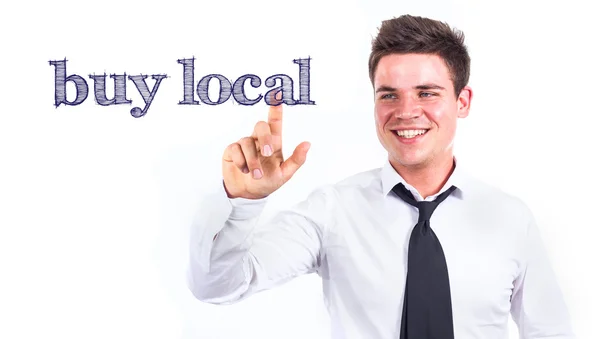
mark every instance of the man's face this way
{"type": "Point", "coordinates": [414, 97]}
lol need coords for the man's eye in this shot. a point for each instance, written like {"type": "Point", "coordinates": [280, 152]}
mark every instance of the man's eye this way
{"type": "Point", "coordinates": [387, 96]}
{"type": "Point", "coordinates": [426, 94]}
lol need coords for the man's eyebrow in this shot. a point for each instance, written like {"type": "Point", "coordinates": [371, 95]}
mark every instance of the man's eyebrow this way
{"type": "Point", "coordinates": [385, 89]}
{"type": "Point", "coordinates": [427, 86]}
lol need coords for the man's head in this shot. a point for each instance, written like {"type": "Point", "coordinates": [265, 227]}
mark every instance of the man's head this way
{"type": "Point", "coordinates": [419, 69]}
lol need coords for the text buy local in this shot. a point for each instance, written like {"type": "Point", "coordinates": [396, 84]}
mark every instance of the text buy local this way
{"type": "Point", "coordinates": [226, 88]}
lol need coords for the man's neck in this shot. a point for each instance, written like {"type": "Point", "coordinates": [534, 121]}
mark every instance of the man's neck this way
{"type": "Point", "coordinates": [427, 179]}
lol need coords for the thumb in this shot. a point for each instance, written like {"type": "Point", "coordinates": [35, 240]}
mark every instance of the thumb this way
{"type": "Point", "coordinates": [297, 159]}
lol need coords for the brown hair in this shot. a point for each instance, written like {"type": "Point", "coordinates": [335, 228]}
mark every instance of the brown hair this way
{"type": "Point", "coordinates": [414, 34]}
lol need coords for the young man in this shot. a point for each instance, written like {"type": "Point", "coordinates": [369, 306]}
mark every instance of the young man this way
{"type": "Point", "coordinates": [416, 249]}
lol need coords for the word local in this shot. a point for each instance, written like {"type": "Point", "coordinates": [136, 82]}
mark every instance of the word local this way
{"type": "Point", "coordinates": [227, 89]}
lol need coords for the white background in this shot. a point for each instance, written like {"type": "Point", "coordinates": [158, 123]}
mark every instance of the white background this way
{"type": "Point", "coordinates": [95, 205]}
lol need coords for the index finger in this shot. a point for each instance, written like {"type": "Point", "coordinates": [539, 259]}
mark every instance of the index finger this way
{"type": "Point", "coordinates": [276, 115]}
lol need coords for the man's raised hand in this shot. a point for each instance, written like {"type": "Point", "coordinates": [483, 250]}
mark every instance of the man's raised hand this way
{"type": "Point", "coordinates": [254, 167]}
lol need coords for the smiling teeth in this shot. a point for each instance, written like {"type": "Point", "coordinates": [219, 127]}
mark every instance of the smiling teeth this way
{"type": "Point", "coordinates": [411, 133]}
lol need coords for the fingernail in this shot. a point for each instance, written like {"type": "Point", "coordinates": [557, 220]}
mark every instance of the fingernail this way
{"type": "Point", "coordinates": [245, 170]}
{"type": "Point", "coordinates": [267, 151]}
{"type": "Point", "coordinates": [257, 174]}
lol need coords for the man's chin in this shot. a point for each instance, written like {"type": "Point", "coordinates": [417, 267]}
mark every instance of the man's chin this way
{"type": "Point", "coordinates": [409, 160]}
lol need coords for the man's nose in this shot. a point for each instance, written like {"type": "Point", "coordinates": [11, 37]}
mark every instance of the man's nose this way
{"type": "Point", "coordinates": [408, 109]}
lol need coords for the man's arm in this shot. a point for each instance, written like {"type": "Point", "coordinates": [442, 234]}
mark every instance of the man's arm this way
{"type": "Point", "coordinates": [538, 307]}
{"type": "Point", "coordinates": [232, 256]}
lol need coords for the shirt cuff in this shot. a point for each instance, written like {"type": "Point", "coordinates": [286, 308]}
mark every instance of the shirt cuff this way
{"type": "Point", "coordinates": [242, 208]}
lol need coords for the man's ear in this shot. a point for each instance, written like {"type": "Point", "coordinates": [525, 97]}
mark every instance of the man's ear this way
{"type": "Point", "coordinates": [464, 102]}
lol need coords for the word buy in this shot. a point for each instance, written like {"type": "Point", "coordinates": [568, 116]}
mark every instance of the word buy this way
{"type": "Point", "coordinates": [191, 90]}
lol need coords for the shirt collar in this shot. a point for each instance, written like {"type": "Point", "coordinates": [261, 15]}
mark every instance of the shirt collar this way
{"type": "Point", "coordinates": [458, 178]}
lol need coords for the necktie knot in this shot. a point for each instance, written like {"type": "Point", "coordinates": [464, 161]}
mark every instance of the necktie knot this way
{"type": "Point", "coordinates": [426, 209]}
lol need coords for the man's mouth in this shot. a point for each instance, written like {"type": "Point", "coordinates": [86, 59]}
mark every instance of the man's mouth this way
{"type": "Point", "coordinates": [410, 133]}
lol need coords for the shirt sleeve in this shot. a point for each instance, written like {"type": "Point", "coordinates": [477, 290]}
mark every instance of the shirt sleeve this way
{"type": "Point", "coordinates": [538, 307]}
{"type": "Point", "coordinates": [233, 254]}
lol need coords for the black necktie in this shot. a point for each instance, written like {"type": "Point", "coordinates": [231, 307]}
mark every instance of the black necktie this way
{"type": "Point", "coordinates": [427, 311]}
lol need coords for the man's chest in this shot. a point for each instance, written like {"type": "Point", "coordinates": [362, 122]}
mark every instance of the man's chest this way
{"type": "Point", "coordinates": [365, 259]}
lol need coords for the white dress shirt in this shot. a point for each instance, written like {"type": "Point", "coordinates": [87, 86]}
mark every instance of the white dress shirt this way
{"type": "Point", "coordinates": [354, 234]}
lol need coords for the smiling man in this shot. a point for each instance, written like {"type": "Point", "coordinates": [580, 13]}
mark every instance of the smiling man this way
{"type": "Point", "coordinates": [416, 249]}
{"type": "Point", "coordinates": [416, 109]}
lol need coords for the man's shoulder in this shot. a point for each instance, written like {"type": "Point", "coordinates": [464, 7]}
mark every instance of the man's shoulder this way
{"type": "Point", "coordinates": [497, 198]}
{"type": "Point", "coordinates": [360, 178]}
{"type": "Point", "coordinates": [362, 182]}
